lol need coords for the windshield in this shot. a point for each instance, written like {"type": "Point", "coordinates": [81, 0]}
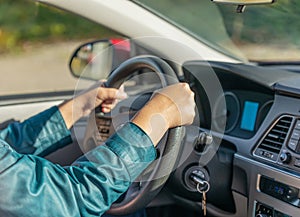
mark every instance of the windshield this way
{"type": "Point", "coordinates": [261, 33]}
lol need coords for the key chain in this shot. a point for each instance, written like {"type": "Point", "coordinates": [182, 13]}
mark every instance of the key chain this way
{"type": "Point", "coordinates": [203, 191]}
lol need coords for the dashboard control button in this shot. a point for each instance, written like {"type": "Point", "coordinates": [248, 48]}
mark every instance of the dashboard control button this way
{"type": "Point", "coordinates": [280, 214]}
{"type": "Point", "coordinates": [297, 126]}
{"type": "Point", "coordinates": [280, 191]}
{"type": "Point", "coordinates": [297, 162]}
{"type": "Point", "coordinates": [296, 134]}
{"type": "Point", "coordinates": [285, 157]}
{"type": "Point", "coordinates": [293, 144]}
{"type": "Point", "coordinates": [263, 210]}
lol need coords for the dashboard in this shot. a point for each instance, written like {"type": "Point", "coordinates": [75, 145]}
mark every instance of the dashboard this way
{"type": "Point", "coordinates": [256, 168]}
{"type": "Point", "coordinates": [253, 162]}
{"type": "Point", "coordinates": [240, 105]}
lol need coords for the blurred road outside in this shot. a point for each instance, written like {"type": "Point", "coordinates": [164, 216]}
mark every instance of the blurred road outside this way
{"type": "Point", "coordinates": [40, 69]}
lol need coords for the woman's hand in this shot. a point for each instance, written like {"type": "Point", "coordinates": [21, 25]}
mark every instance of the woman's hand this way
{"type": "Point", "coordinates": [83, 104]}
{"type": "Point", "coordinates": [176, 104]}
{"type": "Point", "coordinates": [169, 107]}
{"type": "Point", "coordinates": [107, 98]}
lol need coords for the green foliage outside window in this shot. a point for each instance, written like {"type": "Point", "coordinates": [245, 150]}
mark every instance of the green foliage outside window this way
{"type": "Point", "coordinates": [23, 22]}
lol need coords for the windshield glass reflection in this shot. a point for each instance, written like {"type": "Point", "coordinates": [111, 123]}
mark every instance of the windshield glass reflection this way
{"type": "Point", "coordinates": [261, 33]}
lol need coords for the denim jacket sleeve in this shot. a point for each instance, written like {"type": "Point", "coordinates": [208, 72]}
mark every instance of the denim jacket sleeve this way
{"type": "Point", "coordinates": [38, 135]}
{"type": "Point", "coordinates": [34, 186]}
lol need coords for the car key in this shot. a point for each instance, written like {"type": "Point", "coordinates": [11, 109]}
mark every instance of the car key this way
{"type": "Point", "coordinates": [204, 202]}
{"type": "Point", "coordinates": [203, 191]}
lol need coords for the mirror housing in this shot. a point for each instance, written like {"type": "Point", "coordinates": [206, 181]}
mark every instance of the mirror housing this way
{"type": "Point", "coordinates": [244, 2]}
{"type": "Point", "coordinates": [241, 4]}
{"type": "Point", "coordinates": [97, 59]}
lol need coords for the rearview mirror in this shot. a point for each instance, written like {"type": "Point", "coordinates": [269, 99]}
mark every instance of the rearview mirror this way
{"type": "Point", "coordinates": [241, 4]}
{"type": "Point", "coordinates": [245, 2]}
{"type": "Point", "coordinates": [97, 59]}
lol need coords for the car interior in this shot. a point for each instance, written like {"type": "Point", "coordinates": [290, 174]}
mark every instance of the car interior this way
{"type": "Point", "coordinates": [241, 155]}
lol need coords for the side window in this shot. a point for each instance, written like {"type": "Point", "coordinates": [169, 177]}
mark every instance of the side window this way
{"type": "Point", "coordinates": [36, 42]}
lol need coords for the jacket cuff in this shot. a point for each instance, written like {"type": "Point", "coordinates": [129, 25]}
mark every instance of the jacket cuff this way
{"type": "Point", "coordinates": [134, 147]}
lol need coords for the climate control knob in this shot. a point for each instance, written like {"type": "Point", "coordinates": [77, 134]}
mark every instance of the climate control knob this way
{"type": "Point", "coordinates": [285, 157]}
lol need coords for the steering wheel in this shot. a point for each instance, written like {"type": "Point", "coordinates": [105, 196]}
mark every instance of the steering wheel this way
{"type": "Point", "coordinates": [138, 197]}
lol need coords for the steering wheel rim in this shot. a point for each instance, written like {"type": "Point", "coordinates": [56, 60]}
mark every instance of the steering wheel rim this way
{"type": "Point", "coordinates": [162, 167]}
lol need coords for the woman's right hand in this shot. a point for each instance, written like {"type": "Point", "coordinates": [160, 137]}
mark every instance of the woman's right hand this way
{"type": "Point", "coordinates": [176, 103]}
{"type": "Point", "coordinates": [169, 107]}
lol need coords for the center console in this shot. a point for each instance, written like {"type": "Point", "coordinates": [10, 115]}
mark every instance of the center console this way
{"type": "Point", "coordinates": [277, 193]}
{"type": "Point", "coordinates": [262, 210]}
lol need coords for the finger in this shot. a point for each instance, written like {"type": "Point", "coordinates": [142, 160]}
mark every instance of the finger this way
{"type": "Point", "coordinates": [110, 93]}
{"type": "Point", "coordinates": [108, 102]}
{"type": "Point", "coordinates": [108, 107]}
{"type": "Point", "coordinates": [106, 110]}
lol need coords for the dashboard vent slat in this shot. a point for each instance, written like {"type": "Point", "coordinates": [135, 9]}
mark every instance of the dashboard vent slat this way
{"type": "Point", "coordinates": [270, 146]}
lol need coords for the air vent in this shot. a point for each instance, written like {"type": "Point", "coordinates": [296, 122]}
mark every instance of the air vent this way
{"type": "Point", "coordinates": [272, 143]}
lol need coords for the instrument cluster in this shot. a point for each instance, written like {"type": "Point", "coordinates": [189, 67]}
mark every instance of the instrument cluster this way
{"type": "Point", "coordinates": [243, 112]}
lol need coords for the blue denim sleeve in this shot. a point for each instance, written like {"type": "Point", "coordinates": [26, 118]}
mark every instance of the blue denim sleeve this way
{"type": "Point", "coordinates": [34, 186]}
{"type": "Point", "coordinates": [38, 135]}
